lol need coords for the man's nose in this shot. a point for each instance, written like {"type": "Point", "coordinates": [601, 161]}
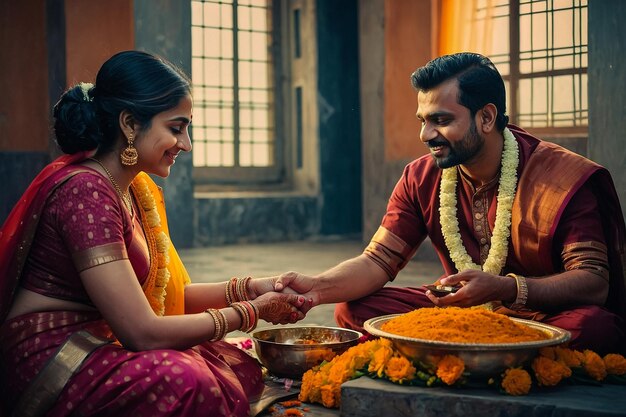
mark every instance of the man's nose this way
{"type": "Point", "coordinates": [427, 132]}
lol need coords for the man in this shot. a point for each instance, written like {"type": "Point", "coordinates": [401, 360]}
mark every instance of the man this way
{"type": "Point", "coordinates": [525, 226]}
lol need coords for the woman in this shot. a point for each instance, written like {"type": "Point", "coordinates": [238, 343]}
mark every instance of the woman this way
{"type": "Point", "coordinates": [98, 314]}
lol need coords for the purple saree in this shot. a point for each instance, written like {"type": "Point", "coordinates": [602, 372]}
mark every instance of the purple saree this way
{"type": "Point", "coordinates": [39, 244]}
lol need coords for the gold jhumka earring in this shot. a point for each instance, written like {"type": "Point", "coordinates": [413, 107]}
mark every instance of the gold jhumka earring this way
{"type": "Point", "coordinates": [129, 154]}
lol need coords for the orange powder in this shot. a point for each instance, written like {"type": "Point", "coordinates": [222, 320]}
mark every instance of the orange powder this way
{"type": "Point", "coordinates": [461, 325]}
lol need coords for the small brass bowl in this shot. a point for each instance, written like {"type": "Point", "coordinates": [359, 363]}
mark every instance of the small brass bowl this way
{"type": "Point", "coordinates": [290, 351]}
{"type": "Point", "coordinates": [481, 359]}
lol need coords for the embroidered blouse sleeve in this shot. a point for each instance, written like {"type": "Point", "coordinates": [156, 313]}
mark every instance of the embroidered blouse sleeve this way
{"type": "Point", "coordinates": [90, 220]}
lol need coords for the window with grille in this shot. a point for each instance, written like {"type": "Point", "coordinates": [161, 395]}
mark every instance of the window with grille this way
{"type": "Point", "coordinates": [235, 133]}
{"type": "Point", "coordinates": [540, 48]}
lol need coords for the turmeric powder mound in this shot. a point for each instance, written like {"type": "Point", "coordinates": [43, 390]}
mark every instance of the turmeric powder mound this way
{"type": "Point", "coordinates": [461, 325]}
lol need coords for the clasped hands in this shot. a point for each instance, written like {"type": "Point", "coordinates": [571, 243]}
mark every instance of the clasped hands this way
{"type": "Point", "coordinates": [283, 299]}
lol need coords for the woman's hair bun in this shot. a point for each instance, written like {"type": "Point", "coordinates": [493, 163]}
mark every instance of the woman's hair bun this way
{"type": "Point", "coordinates": [76, 125]}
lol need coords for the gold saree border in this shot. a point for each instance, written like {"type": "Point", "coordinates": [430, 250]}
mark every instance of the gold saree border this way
{"type": "Point", "coordinates": [44, 390]}
{"type": "Point", "coordinates": [99, 255]}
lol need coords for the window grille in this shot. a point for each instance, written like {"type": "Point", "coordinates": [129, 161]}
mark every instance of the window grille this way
{"type": "Point", "coordinates": [233, 72]}
{"type": "Point", "coordinates": [540, 48]}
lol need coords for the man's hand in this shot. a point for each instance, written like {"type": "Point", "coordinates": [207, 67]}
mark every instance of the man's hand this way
{"type": "Point", "coordinates": [300, 284]}
{"type": "Point", "coordinates": [287, 283]}
{"type": "Point", "coordinates": [478, 287]}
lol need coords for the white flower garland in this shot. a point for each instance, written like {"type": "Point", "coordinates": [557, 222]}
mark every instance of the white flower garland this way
{"type": "Point", "coordinates": [501, 232]}
{"type": "Point", "coordinates": [146, 199]}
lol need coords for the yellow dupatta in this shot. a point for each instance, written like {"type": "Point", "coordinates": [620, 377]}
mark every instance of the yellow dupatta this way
{"type": "Point", "coordinates": [174, 297]}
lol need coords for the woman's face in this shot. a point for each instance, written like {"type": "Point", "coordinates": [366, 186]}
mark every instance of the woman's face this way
{"type": "Point", "coordinates": [168, 135]}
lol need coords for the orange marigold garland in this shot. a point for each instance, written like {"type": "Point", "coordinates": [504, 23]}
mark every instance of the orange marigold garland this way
{"type": "Point", "coordinates": [450, 368]}
{"type": "Point", "coordinates": [516, 381]}
{"type": "Point", "coordinates": [615, 364]}
{"type": "Point", "coordinates": [594, 365]}
{"type": "Point", "coordinates": [379, 359]}
{"type": "Point", "coordinates": [549, 372]}
{"type": "Point", "coordinates": [399, 369]}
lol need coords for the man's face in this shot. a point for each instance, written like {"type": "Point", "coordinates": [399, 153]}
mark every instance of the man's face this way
{"type": "Point", "coordinates": [448, 129]}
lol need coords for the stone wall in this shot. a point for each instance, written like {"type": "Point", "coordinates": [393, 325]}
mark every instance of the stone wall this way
{"type": "Point", "coordinates": [607, 87]}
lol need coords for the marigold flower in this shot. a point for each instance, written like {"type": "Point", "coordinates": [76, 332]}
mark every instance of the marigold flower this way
{"type": "Point", "coordinates": [550, 372]}
{"type": "Point", "coordinates": [570, 357]}
{"type": "Point", "coordinates": [399, 369]}
{"type": "Point", "coordinates": [548, 352]}
{"type": "Point", "coordinates": [615, 364]}
{"type": "Point", "coordinates": [330, 399]}
{"type": "Point", "coordinates": [379, 360]}
{"type": "Point", "coordinates": [516, 381]}
{"type": "Point", "coordinates": [450, 368]}
{"type": "Point", "coordinates": [322, 384]}
{"type": "Point", "coordinates": [594, 365]}
{"type": "Point", "coordinates": [293, 412]}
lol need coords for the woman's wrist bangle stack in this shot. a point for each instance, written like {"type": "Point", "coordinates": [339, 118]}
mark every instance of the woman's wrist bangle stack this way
{"type": "Point", "coordinates": [220, 322]}
{"type": "Point", "coordinates": [237, 290]}
{"type": "Point", "coordinates": [522, 292]}
{"type": "Point", "coordinates": [249, 315]}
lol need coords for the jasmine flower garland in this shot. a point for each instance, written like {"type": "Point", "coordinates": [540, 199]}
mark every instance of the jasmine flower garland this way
{"type": "Point", "coordinates": [501, 232]}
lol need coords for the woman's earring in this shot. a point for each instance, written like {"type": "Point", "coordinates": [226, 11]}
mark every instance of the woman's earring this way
{"type": "Point", "coordinates": [129, 155]}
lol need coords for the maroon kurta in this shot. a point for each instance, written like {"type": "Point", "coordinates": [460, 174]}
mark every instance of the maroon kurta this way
{"type": "Point", "coordinates": [562, 199]}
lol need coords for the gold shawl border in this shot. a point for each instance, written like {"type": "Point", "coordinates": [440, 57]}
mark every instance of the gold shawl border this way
{"type": "Point", "coordinates": [549, 180]}
{"type": "Point", "coordinates": [44, 390]}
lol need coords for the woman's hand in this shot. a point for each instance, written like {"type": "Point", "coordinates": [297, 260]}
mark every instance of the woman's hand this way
{"type": "Point", "coordinates": [280, 308]}
{"type": "Point", "coordinates": [287, 283]}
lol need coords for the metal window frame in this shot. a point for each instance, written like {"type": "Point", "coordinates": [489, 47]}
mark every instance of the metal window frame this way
{"type": "Point", "coordinates": [236, 176]}
{"type": "Point", "coordinates": [515, 76]}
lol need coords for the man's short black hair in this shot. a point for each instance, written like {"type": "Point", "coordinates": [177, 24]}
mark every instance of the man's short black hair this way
{"type": "Point", "coordinates": [480, 83]}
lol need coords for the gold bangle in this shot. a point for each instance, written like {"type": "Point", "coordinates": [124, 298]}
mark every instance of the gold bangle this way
{"type": "Point", "coordinates": [219, 325]}
{"type": "Point", "coordinates": [224, 322]}
{"type": "Point", "coordinates": [246, 288]}
{"type": "Point", "coordinates": [245, 316]}
{"type": "Point", "coordinates": [255, 319]}
{"type": "Point", "coordinates": [522, 292]}
{"type": "Point", "coordinates": [241, 293]}
{"type": "Point", "coordinates": [229, 291]}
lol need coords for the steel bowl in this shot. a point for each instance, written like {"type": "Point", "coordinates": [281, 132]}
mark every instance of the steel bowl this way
{"type": "Point", "coordinates": [290, 351]}
{"type": "Point", "coordinates": [481, 359]}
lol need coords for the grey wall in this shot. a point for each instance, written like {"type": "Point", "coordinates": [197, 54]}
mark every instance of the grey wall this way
{"type": "Point", "coordinates": [17, 170]}
{"type": "Point", "coordinates": [339, 125]}
{"type": "Point", "coordinates": [265, 219]}
{"type": "Point", "coordinates": [607, 89]}
{"type": "Point", "coordinates": [163, 27]}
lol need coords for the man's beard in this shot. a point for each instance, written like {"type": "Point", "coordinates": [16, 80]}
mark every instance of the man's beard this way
{"type": "Point", "coordinates": [460, 152]}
